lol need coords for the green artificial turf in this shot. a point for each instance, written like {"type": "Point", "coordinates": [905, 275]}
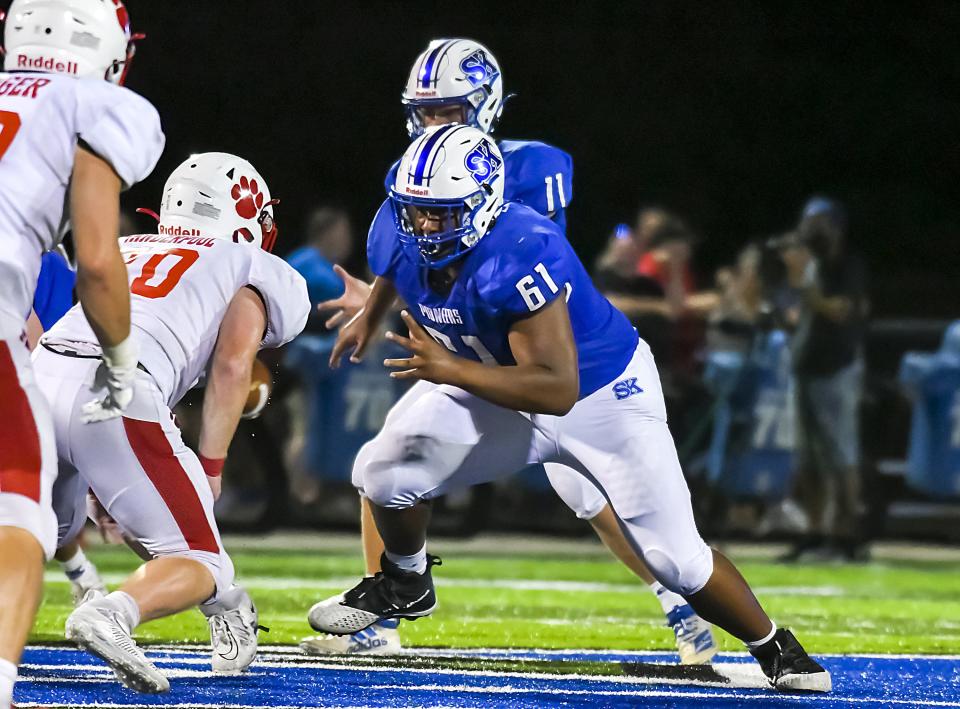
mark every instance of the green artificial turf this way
{"type": "Point", "coordinates": [512, 600]}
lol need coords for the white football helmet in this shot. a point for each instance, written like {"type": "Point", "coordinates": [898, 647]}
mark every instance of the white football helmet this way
{"type": "Point", "coordinates": [219, 196]}
{"type": "Point", "coordinates": [455, 72]}
{"type": "Point", "coordinates": [453, 173]}
{"type": "Point", "coordinates": [83, 38]}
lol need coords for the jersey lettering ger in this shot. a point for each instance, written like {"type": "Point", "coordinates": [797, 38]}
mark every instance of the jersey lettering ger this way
{"type": "Point", "coordinates": [42, 119]}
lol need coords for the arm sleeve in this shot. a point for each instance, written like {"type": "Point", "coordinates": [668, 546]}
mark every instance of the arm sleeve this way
{"type": "Point", "coordinates": [523, 279]}
{"type": "Point", "coordinates": [383, 247]}
{"type": "Point", "coordinates": [284, 294]}
{"type": "Point", "coordinates": [540, 176]}
{"type": "Point", "coordinates": [120, 127]}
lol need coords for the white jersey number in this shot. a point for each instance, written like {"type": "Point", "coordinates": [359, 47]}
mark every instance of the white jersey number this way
{"type": "Point", "coordinates": [531, 293]}
{"type": "Point", "coordinates": [551, 203]}
{"type": "Point", "coordinates": [471, 341]}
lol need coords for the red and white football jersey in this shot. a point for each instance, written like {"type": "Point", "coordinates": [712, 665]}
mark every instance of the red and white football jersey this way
{"type": "Point", "coordinates": [42, 119]}
{"type": "Point", "coordinates": [180, 289]}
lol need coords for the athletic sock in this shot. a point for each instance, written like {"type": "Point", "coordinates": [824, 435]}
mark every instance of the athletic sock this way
{"type": "Point", "coordinates": [123, 604]}
{"type": "Point", "coordinates": [8, 677]}
{"type": "Point", "coordinates": [753, 645]}
{"type": "Point", "coordinates": [75, 566]}
{"type": "Point", "coordinates": [668, 599]}
{"type": "Point", "coordinates": [417, 563]}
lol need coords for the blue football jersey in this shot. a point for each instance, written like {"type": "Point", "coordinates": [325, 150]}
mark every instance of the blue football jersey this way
{"type": "Point", "coordinates": [520, 265]}
{"type": "Point", "coordinates": [535, 174]}
{"type": "Point", "coordinates": [54, 294]}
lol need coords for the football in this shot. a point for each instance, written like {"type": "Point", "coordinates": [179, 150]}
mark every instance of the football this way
{"type": "Point", "coordinates": [261, 384]}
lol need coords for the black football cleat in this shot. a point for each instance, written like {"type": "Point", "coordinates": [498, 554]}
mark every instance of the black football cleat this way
{"type": "Point", "coordinates": [788, 666]}
{"type": "Point", "coordinates": [391, 593]}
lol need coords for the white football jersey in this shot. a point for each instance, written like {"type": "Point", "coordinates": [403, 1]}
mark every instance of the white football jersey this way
{"type": "Point", "coordinates": [180, 289]}
{"type": "Point", "coordinates": [42, 119]}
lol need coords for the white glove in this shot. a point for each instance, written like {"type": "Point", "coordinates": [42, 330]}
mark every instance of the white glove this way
{"type": "Point", "coordinates": [116, 374]}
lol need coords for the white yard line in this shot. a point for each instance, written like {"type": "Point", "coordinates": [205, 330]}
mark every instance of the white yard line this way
{"type": "Point", "coordinates": [770, 698]}
{"type": "Point", "coordinates": [274, 583]}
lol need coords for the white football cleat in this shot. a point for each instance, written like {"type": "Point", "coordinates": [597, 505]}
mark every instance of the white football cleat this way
{"type": "Point", "coordinates": [233, 631]}
{"type": "Point", "coordinates": [695, 641]}
{"type": "Point", "coordinates": [381, 638]}
{"type": "Point", "coordinates": [100, 630]}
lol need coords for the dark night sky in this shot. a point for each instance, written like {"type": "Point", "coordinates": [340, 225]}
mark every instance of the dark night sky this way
{"type": "Point", "coordinates": [729, 114]}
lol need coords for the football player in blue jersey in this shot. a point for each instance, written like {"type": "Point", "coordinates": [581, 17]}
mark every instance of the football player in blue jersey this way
{"type": "Point", "coordinates": [459, 81]}
{"type": "Point", "coordinates": [518, 359]}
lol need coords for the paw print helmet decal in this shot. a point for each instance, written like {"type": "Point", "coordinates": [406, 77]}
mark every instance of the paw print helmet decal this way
{"type": "Point", "coordinates": [220, 196]}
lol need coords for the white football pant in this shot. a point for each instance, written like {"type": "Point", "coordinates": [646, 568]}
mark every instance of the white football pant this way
{"type": "Point", "coordinates": [438, 439]}
{"type": "Point", "coordinates": [28, 462]}
{"type": "Point", "coordinates": [137, 465]}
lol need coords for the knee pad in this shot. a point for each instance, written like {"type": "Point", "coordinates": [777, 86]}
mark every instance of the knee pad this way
{"type": "Point", "coordinates": [23, 513]}
{"type": "Point", "coordinates": [578, 493]}
{"type": "Point", "coordinates": [681, 575]}
{"type": "Point", "coordinates": [400, 469]}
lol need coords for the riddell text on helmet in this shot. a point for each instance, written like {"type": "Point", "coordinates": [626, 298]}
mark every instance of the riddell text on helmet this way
{"type": "Point", "coordinates": [178, 231]}
{"type": "Point", "coordinates": [47, 64]}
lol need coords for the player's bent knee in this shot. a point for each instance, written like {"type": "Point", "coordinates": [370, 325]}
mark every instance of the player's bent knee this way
{"type": "Point", "coordinates": [684, 574]}
{"type": "Point", "coordinates": [399, 470]}
{"type": "Point", "coordinates": [219, 565]}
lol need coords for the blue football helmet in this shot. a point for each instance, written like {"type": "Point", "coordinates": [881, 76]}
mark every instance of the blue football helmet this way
{"type": "Point", "coordinates": [455, 72]}
{"type": "Point", "coordinates": [447, 194]}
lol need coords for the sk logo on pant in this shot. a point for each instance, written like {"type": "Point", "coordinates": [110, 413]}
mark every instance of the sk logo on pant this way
{"type": "Point", "coordinates": [626, 388]}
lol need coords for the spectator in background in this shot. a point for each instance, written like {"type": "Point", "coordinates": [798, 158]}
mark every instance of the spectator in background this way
{"type": "Point", "coordinates": [329, 243]}
{"type": "Point", "coordinates": [732, 324]}
{"type": "Point", "coordinates": [827, 352]}
{"type": "Point", "coordinates": [640, 298]}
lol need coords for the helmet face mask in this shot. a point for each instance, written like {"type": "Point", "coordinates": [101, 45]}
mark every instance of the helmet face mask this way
{"type": "Point", "coordinates": [82, 38]}
{"type": "Point", "coordinates": [439, 247]}
{"type": "Point", "coordinates": [447, 195]}
{"type": "Point", "coordinates": [455, 72]}
{"type": "Point", "coordinates": [219, 196]}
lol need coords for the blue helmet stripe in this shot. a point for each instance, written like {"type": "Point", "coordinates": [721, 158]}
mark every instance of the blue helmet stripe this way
{"type": "Point", "coordinates": [456, 127]}
{"type": "Point", "coordinates": [418, 173]}
{"type": "Point", "coordinates": [427, 71]}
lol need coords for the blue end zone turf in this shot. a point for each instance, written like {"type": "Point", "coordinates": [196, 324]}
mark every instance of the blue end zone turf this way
{"type": "Point", "coordinates": [64, 677]}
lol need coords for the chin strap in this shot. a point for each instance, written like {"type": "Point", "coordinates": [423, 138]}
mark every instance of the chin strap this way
{"type": "Point", "coordinates": [268, 226]}
{"type": "Point", "coordinates": [128, 62]}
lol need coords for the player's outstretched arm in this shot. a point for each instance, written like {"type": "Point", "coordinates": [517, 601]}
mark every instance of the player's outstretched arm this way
{"type": "Point", "coordinates": [545, 379]}
{"type": "Point", "coordinates": [228, 382]}
{"type": "Point", "coordinates": [357, 334]}
{"type": "Point", "coordinates": [101, 274]}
